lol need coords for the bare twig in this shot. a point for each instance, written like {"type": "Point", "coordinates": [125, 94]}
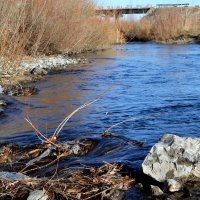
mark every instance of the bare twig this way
{"type": "Point", "coordinates": [62, 124]}
{"type": "Point", "coordinates": [40, 135]}
{"type": "Point", "coordinates": [129, 120]}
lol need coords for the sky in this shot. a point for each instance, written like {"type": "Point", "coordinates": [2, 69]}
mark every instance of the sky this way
{"type": "Point", "coordinates": [106, 3]}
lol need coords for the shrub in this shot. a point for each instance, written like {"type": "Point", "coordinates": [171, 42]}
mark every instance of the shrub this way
{"type": "Point", "coordinates": [164, 24]}
{"type": "Point", "coordinates": [35, 27]}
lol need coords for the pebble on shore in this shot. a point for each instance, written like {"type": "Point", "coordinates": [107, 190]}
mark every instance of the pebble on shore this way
{"type": "Point", "coordinates": [173, 185]}
{"type": "Point", "coordinates": [1, 89]}
{"type": "Point", "coordinates": [156, 191]}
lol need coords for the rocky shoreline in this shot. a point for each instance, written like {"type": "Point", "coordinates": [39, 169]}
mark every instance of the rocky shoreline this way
{"type": "Point", "coordinates": [170, 171]}
{"type": "Point", "coordinates": [181, 40]}
{"type": "Point", "coordinates": [33, 69]}
{"type": "Point", "coordinates": [177, 41]}
{"type": "Point", "coordinates": [21, 81]}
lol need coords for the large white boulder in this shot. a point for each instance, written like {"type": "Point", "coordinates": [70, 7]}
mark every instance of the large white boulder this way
{"type": "Point", "coordinates": [173, 157]}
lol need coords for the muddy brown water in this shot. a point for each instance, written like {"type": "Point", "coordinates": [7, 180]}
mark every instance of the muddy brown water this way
{"type": "Point", "coordinates": [159, 85]}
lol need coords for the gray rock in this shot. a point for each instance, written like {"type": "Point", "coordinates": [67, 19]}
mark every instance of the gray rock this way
{"type": "Point", "coordinates": [1, 110]}
{"type": "Point", "coordinates": [173, 185]}
{"type": "Point", "coordinates": [38, 71]}
{"type": "Point", "coordinates": [139, 186]}
{"type": "Point", "coordinates": [11, 176]}
{"type": "Point", "coordinates": [156, 191]}
{"type": "Point", "coordinates": [38, 195]}
{"type": "Point", "coordinates": [173, 157]}
{"type": "Point", "coordinates": [3, 103]}
{"type": "Point", "coordinates": [1, 89]}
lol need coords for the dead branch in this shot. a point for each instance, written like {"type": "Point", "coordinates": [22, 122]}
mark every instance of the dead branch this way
{"type": "Point", "coordinates": [62, 124]}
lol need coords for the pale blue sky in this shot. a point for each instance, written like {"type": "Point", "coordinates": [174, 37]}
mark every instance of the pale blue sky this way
{"type": "Point", "coordinates": [142, 2]}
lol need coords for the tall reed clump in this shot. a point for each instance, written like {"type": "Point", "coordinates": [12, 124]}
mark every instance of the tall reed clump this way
{"type": "Point", "coordinates": [44, 27]}
{"type": "Point", "coordinates": [136, 30]}
{"type": "Point", "coordinates": [168, 24]}
{"type": "Point", "coordinates": [165, 24]}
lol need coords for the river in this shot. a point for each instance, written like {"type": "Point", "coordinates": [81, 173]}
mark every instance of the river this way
{"type": "Point", "coordinates": [157, 85]}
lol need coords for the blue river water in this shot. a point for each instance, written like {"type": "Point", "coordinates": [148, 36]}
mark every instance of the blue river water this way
{"type": "Point", "coordinates": [157, 86]}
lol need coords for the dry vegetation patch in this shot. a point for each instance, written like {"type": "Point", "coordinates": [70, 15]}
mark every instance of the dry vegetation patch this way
{"type": "Point", "coordinates": [169, 25]}
{"type": "Point", "coordinates": [34, 28]}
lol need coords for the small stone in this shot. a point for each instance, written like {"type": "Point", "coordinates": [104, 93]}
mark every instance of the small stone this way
{"type": "Point", "coordinates": [3, 103]}
{"type": "Point", "coordinates": [173, 185]}
{"type": "Point", "coordinates": [38, 71]}
{"type": "Point", "coordinates": [156, 191]}
{"type": "Point", "coordinates": [38, 195]}
{"type": "Point", "coordinates": [1, 89]}
{"type": "Point", "coordinates": [75, 149]}
{"type": "Point", "coordinates": [139, 186]}
{"type": "Point", "coordinates": [1, 110]}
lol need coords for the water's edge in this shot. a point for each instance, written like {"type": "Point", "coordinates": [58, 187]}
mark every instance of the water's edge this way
{"type": "Point", "coordinates": [155, 85]}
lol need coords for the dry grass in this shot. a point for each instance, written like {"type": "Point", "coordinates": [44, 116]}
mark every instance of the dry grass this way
{"type": "Point", "coordinates": [167, 24]}
{"type": "Point", "coordinates": [136, 30]}
{"type": "Point", "coordinates": [45, 27]}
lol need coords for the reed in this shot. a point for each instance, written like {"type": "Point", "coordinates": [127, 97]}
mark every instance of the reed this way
{"type": "Point", "coordinates": [35, 27]}
{"type": "Point", "coordinates": [136, 30]}
{"type": "Point", "coordinates": [164, 25]}
{"type": "Point", "coordinates": [47, 27]}
{"type": "Point", "coordinates": [169, 24]}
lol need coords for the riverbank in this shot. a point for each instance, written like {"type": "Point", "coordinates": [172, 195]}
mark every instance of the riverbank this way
{"type": "Point", "coordinates": [39, 33]}
{"type": "Point", "coordinates": [165, 25]}
{"type": "Point", "coordinates": [21, 80]}
{"type": "Point", "coordinates": [27, 172]}
{"type": "Point", "coordinates": [33, 69]}
{"type": "Point", "coordinates": [148, 75]}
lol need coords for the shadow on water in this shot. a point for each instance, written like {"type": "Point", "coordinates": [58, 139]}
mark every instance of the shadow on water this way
{"type": "Point", "coordinates": [158, 83]}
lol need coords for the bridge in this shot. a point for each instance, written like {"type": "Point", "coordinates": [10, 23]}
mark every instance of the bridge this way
{"type": "Point", "coordinates": [119, 11]}
{"type": "Point", "coordinates": [122, 11]}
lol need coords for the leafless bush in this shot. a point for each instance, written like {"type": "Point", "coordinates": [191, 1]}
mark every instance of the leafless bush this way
{"type": "Point", "coordinates": [169, 24]}
{"type": "Point", "coordinates": [35, 27]}
{"type": "Point", "coordinates": [44, 27]}
{"type": "Point", "coordinates": [164, 25]}
{"type": "Point", "coordinates": [137, 29]}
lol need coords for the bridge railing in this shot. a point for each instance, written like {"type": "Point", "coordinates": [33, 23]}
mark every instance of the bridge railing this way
{"type": "Point", "coordinates": [125, 7]}
{"type": "Point", "coordinates": [143, 6]}
{"type": "Point", "coordinates": [173, 5]}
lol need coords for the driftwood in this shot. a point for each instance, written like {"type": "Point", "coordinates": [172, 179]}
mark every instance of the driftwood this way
{"type": "Point", "coordinates": [89, 183]}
